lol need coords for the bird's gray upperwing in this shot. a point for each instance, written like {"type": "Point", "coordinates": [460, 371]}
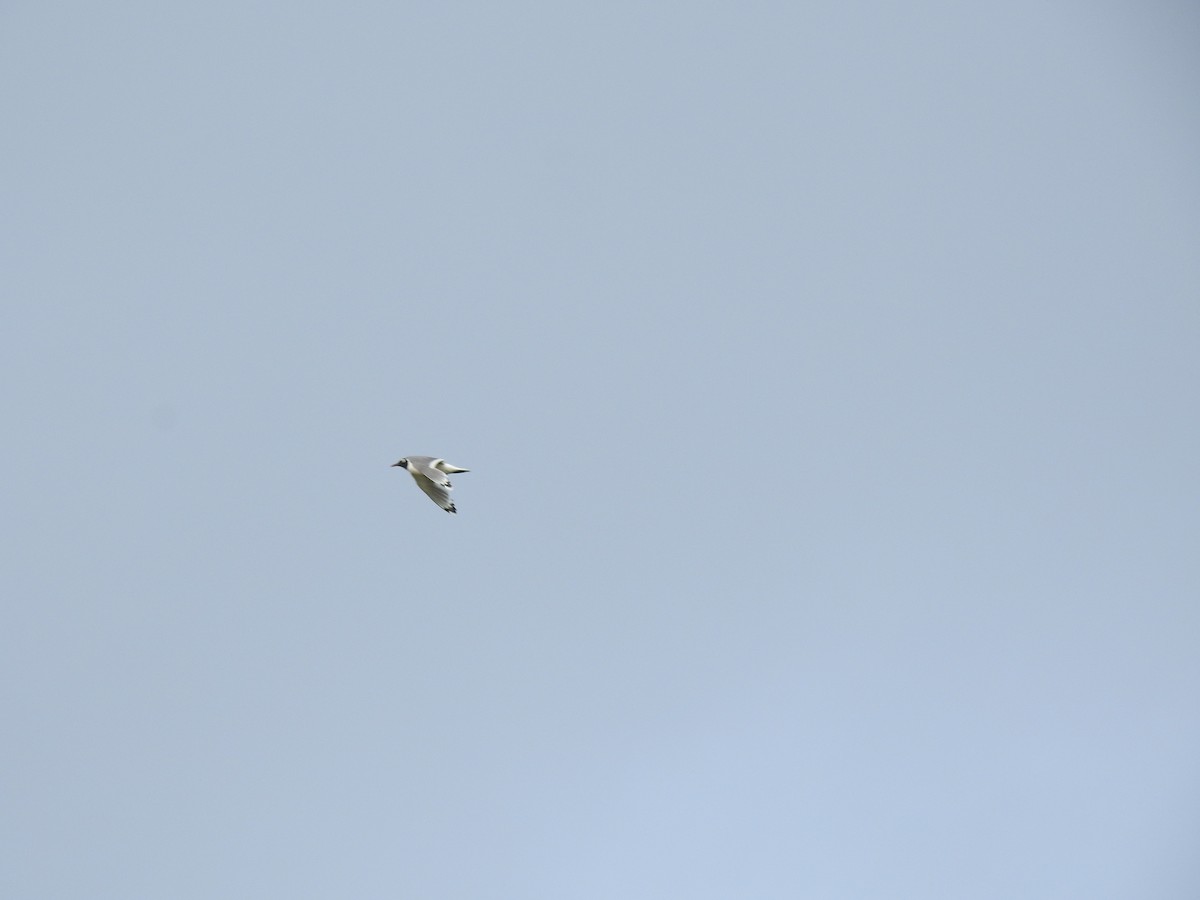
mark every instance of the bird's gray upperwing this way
{"type": "Point", "coordinates": [424, 466]}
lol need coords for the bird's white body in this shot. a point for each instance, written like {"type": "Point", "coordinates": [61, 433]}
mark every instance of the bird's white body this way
{"type": "Point", "coordinates": [429, 472]}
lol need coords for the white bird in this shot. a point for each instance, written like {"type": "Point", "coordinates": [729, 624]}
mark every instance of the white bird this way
{"type": "Point", "coordinates": [430, 474]}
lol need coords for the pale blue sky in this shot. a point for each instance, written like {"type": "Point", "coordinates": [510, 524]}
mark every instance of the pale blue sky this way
{"type": "Point", "coordinates": [828, 376]}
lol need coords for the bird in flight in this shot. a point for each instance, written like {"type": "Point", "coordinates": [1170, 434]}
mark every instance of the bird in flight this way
{"type": "Point", "coordinates": [430, 474]}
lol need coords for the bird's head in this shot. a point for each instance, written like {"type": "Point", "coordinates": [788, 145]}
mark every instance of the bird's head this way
{"type": "Point", "coordinates": [402, 464]}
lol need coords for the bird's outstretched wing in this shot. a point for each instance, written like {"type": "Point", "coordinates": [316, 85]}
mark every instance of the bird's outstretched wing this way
{"type": "Point", "coordinates": [434, 483]}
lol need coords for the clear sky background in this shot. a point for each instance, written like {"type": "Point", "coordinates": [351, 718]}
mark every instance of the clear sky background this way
{"type": "Point", "coordinates": [828, 375]}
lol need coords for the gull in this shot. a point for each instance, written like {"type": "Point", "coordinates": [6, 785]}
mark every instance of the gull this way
{"type": "Point", "coordinates": [430, 474]}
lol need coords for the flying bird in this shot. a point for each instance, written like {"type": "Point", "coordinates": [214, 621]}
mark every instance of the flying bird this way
{"type": "Point", "coordinates": [430, 474]}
